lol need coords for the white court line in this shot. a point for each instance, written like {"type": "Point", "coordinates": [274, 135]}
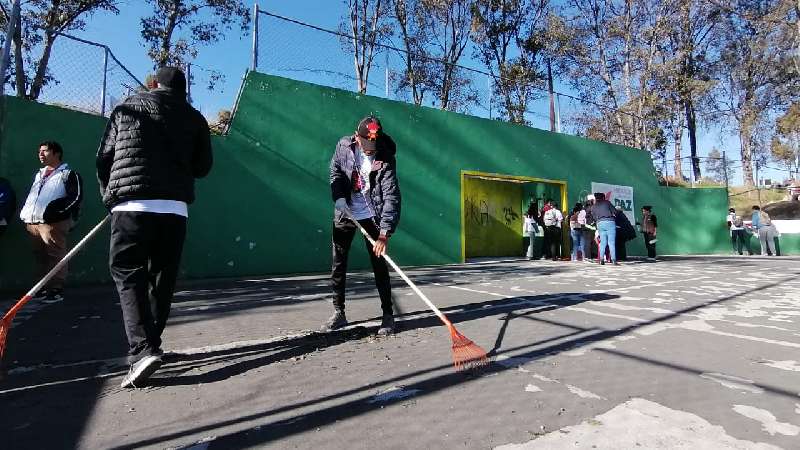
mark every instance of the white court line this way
{"type": "Point", "coordinates": [663, 326]}
{"type": "Point", "coordinates": [603, 314]}
{"type": "Point", "coordinates": [71, 380]}
{"type": "Point", "coordinates": [661, 283]}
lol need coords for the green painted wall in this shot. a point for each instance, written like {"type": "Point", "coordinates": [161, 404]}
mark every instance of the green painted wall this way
{"type": "Point", "coordinates": [540, 193]}
{"type": "Point", "coordinates": [266, 206]}
{"type": "Point", "coordinates": [492, 218]}
{"type": "Point", "coordinates": [23, 126]}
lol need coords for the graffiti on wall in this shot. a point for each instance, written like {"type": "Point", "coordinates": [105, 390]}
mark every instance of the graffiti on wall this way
{"type": "Point", "coordinates": [509, 215]}
{"type": "Point", "coordinates": [477, 211]}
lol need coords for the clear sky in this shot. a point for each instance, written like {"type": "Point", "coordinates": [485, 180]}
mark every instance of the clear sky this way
{"type": "Point", "coordinates": [232, 57]}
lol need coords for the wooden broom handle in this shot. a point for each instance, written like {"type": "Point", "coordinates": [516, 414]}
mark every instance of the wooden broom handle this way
{"type": "Point", "coordinates": [402, 274]}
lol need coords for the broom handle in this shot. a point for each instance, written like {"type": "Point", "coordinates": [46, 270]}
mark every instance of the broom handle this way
{"type": "Point", "coordinates": [403, 275]}
{"type": "Point", "coordinates": [64, 260]}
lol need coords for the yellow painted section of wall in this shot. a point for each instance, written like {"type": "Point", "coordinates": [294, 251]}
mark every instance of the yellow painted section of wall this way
{"type": "Point", "coordinates": [492, 218]}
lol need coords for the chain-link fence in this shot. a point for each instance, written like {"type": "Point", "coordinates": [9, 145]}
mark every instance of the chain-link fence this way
{"type": "Point", "coordinates": [83, 75]}
{"type": "Point", "coordinates": [281, 47]}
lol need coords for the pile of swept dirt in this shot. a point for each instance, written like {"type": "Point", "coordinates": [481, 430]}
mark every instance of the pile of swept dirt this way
{"type": "Point", "coordinates": [783, 210]}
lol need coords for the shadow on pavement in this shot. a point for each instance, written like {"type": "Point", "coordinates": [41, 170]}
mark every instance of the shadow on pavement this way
{"type": "Point", "coordinates": [273, 431]}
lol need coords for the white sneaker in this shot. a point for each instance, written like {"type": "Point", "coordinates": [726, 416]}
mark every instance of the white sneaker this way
{"type": "Point", "coordinates": [141, 371]}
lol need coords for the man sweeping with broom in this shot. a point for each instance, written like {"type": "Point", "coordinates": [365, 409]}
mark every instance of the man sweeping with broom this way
{"type": "Point", "coordinates": [364, 187]}
{"type": "Point", "coordinates": [154, 147]}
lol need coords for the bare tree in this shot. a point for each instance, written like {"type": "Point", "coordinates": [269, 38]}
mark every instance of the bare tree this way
{"type": "Point", "coordinates": [410, 20]}
{"type": "Point", "coordinates": [718, 169]}
{"type": "Point", "coordinates": [511, 36]}
{"type": "Point", "coordinates": [367, 27]}
{"type": "Point", "coordinates": [785, 145]}
{"type": "Point", "coordinates": [435, 34]}
{"type": "Point", "coordinates": [692, 36]}
{"type": "Point", "coordinates": [749, 75]}
{"type": "Point", "coordinates": [39, 25]}
{"type": "Point", "coordinates": [448, 23]}
{"type": "Point", "coordinates": [220, 125]}
{"type": "Point", "coordinates": [610, 59]}
{"type": "Point", "coordinates": [205, 22]}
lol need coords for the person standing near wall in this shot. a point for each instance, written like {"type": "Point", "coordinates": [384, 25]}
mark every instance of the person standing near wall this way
{"type": "Point", "coordinates": [650, 231]}
{"type": "Point", "coordinates": [604, 214]}
{"type": "Point", "coordinates": [8, 204]}
{"type": "Point", "coordinates": [576, 222]}
{"type": "Point", "coordinates": [364, 188]}
{"type": "Point", "coordinates": [154, 147]}
{"type": "Point", "coordinates": [583, 217]}
{"type": "Point", "coordinates": [625, 233]}
{"type": "Point", "coordinates": [553, 220]}
{"type": "Point", "coordinates": [739, 237]}
{"type": "Point", "coordinates": [766, 231]}
{"type": "Point", "coordinates": [531, 228]}
{"type": "Point", "coordinates": [589, 230]}
{"type": "Point", "coordinates": [49, 213]}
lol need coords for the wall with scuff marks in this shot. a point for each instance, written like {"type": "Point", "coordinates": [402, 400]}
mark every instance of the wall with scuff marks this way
{"type": "Point", "coordinates": [492, 218]}
{"type": "Point", "coordinates": [266, 206]}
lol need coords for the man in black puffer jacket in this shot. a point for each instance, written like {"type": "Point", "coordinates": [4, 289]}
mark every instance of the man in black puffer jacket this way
{"type": "Point", "coordinates": [364, 187]}
{"type": "Point", "coordinates": [154, 147]}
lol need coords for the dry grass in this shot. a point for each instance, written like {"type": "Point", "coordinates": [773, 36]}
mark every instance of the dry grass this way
{"type": "Point", "coordinates": [742, 198]}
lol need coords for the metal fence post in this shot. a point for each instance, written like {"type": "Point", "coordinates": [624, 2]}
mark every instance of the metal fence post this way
{"type": "Point", "coordinates": [105, 82]}
{"type": "Point", "coordinates": [386, 79]}
{"type": "Point", "coordinates": [189, 82]}
{"type": "Point", "coordinates": [558, 113]}
{"type": "Point", "coordinates": [254, 65]}
{"type": "Point", "coordinates": [12, 23]}
{"type": "Point", "coordinates": [489, 86]}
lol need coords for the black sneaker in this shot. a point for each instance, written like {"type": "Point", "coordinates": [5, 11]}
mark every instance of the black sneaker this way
{"type": "Point", "coordinates": [141, 370]}
{"type": "Point", "coordinates": [387, 325]}
{"type": "Point", "coordinates": [337, 320]}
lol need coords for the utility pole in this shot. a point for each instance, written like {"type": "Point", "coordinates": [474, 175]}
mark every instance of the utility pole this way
{"type": "Point", "coordinates": [758, 187]}
{"type": "Point", "coordinates": [552, 97]}
{"type": "Point", "coordinates": [725, 170]}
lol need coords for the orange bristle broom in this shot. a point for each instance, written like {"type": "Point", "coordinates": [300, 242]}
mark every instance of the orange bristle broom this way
{"type": "Point", "coordinates": [5, 324]}
{"type": "Point", "coordinates": [466, 354]}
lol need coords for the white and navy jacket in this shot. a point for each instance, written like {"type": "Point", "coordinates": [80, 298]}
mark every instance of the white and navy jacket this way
{"type": "Point", "coordinates": [54, 198]}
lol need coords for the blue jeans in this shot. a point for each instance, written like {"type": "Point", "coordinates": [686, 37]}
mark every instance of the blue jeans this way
{"type": "Point", "coordinates": [577, 244]}
{"type": "Point", "coordinates": [608, 237]}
